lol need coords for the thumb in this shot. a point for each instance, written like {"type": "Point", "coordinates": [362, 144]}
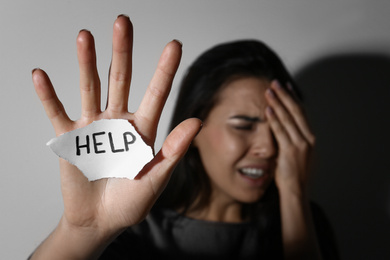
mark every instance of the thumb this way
{"type": "Point", "coordinates": [173, 149]}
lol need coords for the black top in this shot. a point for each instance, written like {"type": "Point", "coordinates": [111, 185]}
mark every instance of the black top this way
{"type": "Point", "coordinates": [165, 233]}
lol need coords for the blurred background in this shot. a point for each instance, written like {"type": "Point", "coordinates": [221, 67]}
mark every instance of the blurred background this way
{"type": "Point", "coordinates": [339, 52]}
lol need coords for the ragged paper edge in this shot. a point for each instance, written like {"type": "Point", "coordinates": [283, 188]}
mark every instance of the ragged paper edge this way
{"type": "Point", "coordinates": [135, 172]}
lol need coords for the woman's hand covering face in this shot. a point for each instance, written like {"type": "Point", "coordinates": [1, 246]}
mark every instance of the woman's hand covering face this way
{"type": "Point", "coordinates": [293, 136]}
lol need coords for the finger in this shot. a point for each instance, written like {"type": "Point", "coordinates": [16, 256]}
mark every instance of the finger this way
{"type": "Point", "coordinates": [295, 110]}
{"type": "Point", "coordinates": [54, 109]}
{"type": "Point", "coordinates": [121, 65]}
{"type": "Point", "coordinates": [173, 149]}
{"type": "Point", "coordinates": [283, 116]}
{"type": "Point", "coordinates": [293, 93]}
{"type": "Point", "coordinates": [277, 128]}
{"type": "Point", "coordinates": [158, 90]}
{"type": "Point", "coordinates": [89, 79]}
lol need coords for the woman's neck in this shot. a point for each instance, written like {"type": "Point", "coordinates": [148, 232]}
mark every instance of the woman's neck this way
{"type": "Point", "coordinates": [218, 210]}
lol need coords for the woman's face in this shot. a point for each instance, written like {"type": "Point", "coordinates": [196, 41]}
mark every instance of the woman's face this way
{"type": "Point", "coordinates": [236, 145]}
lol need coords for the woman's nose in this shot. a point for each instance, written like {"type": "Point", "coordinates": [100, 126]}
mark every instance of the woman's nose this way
{"type": "Point", "coordinates": [263, 143]}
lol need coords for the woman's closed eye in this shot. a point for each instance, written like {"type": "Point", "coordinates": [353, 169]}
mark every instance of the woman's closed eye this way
{"type": "Point", "coordinates": [243, 126]}
{"type": "Point", "coordinates": [242, 122]}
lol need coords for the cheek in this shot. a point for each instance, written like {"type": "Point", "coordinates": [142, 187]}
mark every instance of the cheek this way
{"type": "Point", "coordinates": [220, 148]}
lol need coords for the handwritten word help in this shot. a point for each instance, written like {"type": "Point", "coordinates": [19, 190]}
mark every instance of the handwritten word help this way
{"type": "Point", "coordinates": [108, 148]}
{"type": "Point", "coordinates": [97, 143]}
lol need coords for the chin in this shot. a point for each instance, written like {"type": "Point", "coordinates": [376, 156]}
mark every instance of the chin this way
{"type": "Point", "coordinates": [250, 198]}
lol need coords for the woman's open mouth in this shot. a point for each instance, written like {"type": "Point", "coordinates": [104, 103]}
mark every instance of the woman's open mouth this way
{"type": "Point", "coordinates": [253, 173]}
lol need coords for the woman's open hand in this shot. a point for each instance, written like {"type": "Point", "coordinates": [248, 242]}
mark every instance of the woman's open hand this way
{"type": "Point", "coordinates": [110, 205]}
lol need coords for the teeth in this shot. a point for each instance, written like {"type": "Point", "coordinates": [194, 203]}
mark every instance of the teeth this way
{"type": "Point", "coordinates": [252, 172]}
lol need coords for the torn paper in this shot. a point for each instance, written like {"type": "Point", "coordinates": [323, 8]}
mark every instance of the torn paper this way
{"type": "Point", "coordinates": [104, 149]}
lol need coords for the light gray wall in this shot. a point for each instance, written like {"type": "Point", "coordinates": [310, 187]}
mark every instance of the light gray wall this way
{"type": "Point", "coordinates": [42, 33]}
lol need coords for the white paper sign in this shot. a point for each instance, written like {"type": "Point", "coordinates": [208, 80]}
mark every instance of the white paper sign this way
{"type": "Point", "coordinates": [104, 149]}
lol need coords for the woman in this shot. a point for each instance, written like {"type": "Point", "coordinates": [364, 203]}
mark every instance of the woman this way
{"type": "Point", "coordinates": [239, 192]}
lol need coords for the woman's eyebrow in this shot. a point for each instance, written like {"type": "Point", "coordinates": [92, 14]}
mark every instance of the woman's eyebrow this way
{"type": "Point", "coordinates": [246, 118]}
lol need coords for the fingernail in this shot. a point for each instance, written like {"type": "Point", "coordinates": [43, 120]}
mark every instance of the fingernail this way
{"type": "Point", "coordinates": [269, 110]}
{"type": "Point", "coordinates": [178, 41]}
{"type": "Point", "coordinates": [84, 30]}
{"type": "Point", "coordinates": [124, 15]}
{"type": "Point", "coordinates": [289, 86]}
{"type": "Point", "coordinates": [270, 93]}
{"type": "Point", "coordinates": [200, 128]}
{"type": "Point", "coordinates": [277, 84]}
{"type": "Point", "coordinates": [32, 72]}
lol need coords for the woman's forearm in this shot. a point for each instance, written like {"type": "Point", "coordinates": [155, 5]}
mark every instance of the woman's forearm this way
{"type": "Point", "coordinates": [298, 232]}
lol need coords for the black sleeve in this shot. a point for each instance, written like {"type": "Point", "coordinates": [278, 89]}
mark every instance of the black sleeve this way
{"type": "Point", "coordinates": [128, 245]}
{"type": "Point", "coordinates": [119, 248]}
{"type": "Point", "coordinates": [325, 235]}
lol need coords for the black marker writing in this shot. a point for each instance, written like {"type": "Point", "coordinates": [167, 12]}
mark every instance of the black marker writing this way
{"type": "Point", "coordinates": [127, 142]}
{"type": "Point", "coordinates": [128, 139]}
{"type": "Point", "coordinates": [78, 146]}
{"type": "Point", "coordinates": [96, 144]}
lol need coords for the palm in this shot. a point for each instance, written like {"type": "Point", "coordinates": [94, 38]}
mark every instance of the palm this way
{"type": "Point", "coordinates": [116, 203]}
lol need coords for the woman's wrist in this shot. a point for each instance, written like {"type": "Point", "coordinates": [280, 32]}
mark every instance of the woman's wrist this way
{"type": "Point", "coordinates": [89, 241]}
{"type": "Point", "coordinates": [299, 237]}
{"type": "Point", "coordinates": [293, 189]}
{"type": "Point", "coordinates": [73, 242]}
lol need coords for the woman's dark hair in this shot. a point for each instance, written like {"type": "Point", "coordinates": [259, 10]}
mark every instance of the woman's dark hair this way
{"type": "Point", "coordinates": [189, 186]}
